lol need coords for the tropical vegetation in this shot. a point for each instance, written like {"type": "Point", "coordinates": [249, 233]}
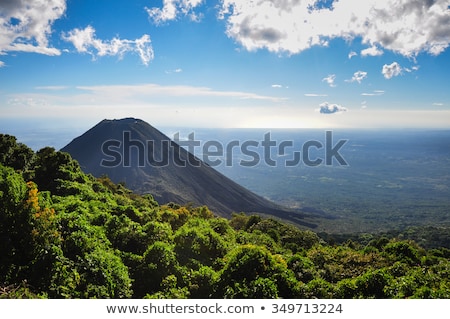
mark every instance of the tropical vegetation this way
{"type": "Point", "coordinates": [66, 234]}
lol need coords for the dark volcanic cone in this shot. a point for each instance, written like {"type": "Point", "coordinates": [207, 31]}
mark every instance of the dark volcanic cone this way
{"type": "Point", "coordinates": [132, 151]}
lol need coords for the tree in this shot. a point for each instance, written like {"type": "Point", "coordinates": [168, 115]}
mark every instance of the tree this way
{"type": "Point", "coordinates": [103, 275]}
{"type": "Point", "coordinates": [318, 288]}
{"type": "Point", "coordinates": [52, 167]}
{"type": "Point", "coordinates": [200, 282]}
{"type": "Point", "coordinates": [373, 284]}
{"type": "Point", "coordinates": [197, 243]}
{"type": "Point", "coordinates": [302, 267]}
{"type": "Point", "coordinates": [126, 235]}
{"type": "Point", "coordinates": [403, 251]}
{"type": "Point", "coordinates": [30, 245]}
{"type": "Point", "coordinates": [13, 154]}
{"type": "Point", "coordinates": [158, 262]}
{"type": "Point", "coordinates": [15, 226]}
{"type": "Point", "coordinates": [245, 270]}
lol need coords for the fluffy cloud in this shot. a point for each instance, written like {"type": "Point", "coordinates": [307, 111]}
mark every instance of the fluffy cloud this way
{"type": "Point", "coordinates": [372, 51]}
{"type": "Point", "coordinates": [85, 41]}
{"type": "Point", "coordinates": [26, 25]}
{"type": "Point", "coordinates": [327, 108]}
{"type": "Point", "coordinates": [407, 27]}
{"type": "Point", "coordinates": [358, 77]}
{"type": "Point", "coordinates": [391, 70]}
{"type": "Point", "coordinates": [330, 80]}
{"type": "Point", "coordinates": [172, 9]}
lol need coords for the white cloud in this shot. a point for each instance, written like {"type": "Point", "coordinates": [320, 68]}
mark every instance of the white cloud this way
{"type": "Point", "coordinates": [391, 70]}
{"type": "Point", "coordinates": [352, 54]}
{"type": "Point", "coordinates": [315, 95]}
{"type": "Point", "coordinates": [161, 104]}
{"type": "Point", "coordinates": [89, 106]}
{"type": "Point", "coordinates": [178, 70]}
{"type": "Point", "coordinates": [327, 108]}
{"type": "Point", "coordinates": [172, 9]}
{"type": "Point", "coordinates": [168, 12]}
{"type": "Point", "coordinates": [330, 80]}
{"type": "Point", "coordinates": [412, 69]}
{"type": "Point", "coordinates": [25, 26]}
{"type": "Point", "coordinates": [144, 48]}
{"type": "Point", "coordinates": [407, 27]}
{"type": "Point", "coordinates": [372, 51]}
{"type": "Point", "coordinates": [140, 91]}
{"type": "Point", "coordinates": [438, 104]}
{"type": "Point", "coordinates": [358, 76]}
{"type": "Point", "coordinates": [374, 93]}
{"type": "Point", "coordinates": [52, 87]}
{"type": "Point", "coordinates": [85, 41]}
{"type": "Point", "coordinates": [277, 86]}
{"type": "Point", "coordinates": [2, 64]}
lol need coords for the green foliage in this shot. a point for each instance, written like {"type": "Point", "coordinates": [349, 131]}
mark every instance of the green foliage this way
{"type": "Point", "coordinates": [196, 243]}
{"type": "Point", "coordinates": [287, 235]}
{"type": "Point", "coordinates": [157, 231]}
{"type": "Point", "coordinates": [65, 234]}
{"type": "Point", "coordinates": [260, 288]}
{"type": "Point", "coordinates": [15, 226]}
{"type": "Point", "coordinates": [169, 290]}
{"type": "Point", "coordinates": [373, 284]}
{"type": "Point", "coordinates": [127, 235]}
{"type": "Point", "coordinates": [200, 282]}
{"type": "Point", "coordinates": [158, 262]}
{"type": "Point", "coordinates": [104, 275]}
{"type": "Point", "coordinates": [318, 288]}
{"type": "Point", "coordinates": [252, 272]}
{"type": "Point", "coordinates": [403, 251]}
{"type": "Point", "coordinates": [15, 155]}
{"type": "Point", "coordinates": [257, 238]}
{"type": "Point", "coordinates": [52, 167]}
{"type": "Point", "coordinates": [19, 291]}
{"type": "Point", "coordinates": [302, 267]}
{"type": "Point", "coordinates": [346, 289]}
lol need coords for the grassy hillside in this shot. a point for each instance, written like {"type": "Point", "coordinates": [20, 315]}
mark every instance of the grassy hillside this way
{"type": "Point", "coordinates": [65, 234]}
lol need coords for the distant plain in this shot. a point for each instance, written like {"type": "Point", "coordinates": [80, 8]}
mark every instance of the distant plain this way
{"type": "Point", "coordinates": [394, 179]}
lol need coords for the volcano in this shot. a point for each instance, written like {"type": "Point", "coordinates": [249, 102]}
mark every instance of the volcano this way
{"type": "Point", "coordinates": [148, 162]}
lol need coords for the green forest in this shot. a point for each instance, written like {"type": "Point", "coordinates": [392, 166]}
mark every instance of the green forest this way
{"type": "Point", "coordinates": [65, 234]}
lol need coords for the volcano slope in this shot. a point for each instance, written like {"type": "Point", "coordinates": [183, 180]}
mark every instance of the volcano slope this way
{"type": "Point", "coordinates": [133, 152]}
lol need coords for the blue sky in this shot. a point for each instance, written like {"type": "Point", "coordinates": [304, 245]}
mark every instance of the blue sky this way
{"type": "Point", "coordinates": [227, 63]}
